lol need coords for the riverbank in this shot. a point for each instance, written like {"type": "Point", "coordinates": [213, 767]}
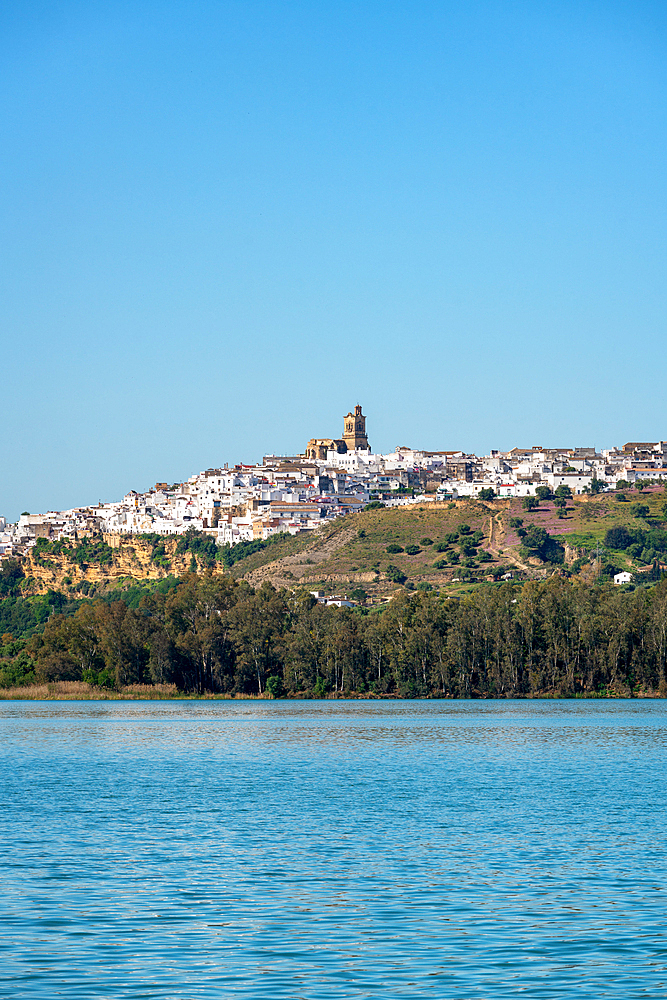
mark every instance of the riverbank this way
{"type": "Point", "coordinates": [80, 691]}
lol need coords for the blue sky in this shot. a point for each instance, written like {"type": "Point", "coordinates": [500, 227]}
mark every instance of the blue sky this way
{"type": "Point", "coordinates": [224, 224]}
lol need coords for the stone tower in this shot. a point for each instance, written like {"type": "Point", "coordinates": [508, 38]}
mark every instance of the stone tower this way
{"type": "Point", "coordinates": [354, 430]}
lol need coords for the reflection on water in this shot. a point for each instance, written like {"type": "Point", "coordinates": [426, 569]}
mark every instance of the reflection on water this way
{"type": "Point", "coordinates": [311, 849]}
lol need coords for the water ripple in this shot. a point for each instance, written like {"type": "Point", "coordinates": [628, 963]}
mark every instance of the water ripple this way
{"type": "Point", "coordinates": [362, 849]}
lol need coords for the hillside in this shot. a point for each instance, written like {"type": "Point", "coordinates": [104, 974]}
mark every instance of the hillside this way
{"type": "Point", "coordinates": [457, 546]}
{"type": "Point", "coordinates": [452, 545]}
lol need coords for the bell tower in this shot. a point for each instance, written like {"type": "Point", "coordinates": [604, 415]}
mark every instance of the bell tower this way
{"type": "Point", "coordinates": [354, 430]}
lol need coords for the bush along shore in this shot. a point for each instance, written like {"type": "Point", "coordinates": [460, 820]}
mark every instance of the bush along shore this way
{"type": "Point", "coordinates": [206, 635]}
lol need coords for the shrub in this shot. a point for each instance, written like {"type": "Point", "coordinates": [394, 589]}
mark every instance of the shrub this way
{"type": "Point", "coordinates": [393, 548]}
{"type": "Point", "coordinates": [440, 564]}
{"type": "Point", "coordinates": [394, 574]}
{"type": "Point", "coordinates": [441, 546]}
{"type": "Point", "coordinates": [618, 537]}
{"type": "Point", "coordinates": [639, 510]}
{"type": "Point", "coordinates": [426, 541]}
{"type": "Point", "coordinates": [537, 541]}
{"type": "Point", "coordinates": [10, 576]}
{"type": "Point", "coordinates": [201, 546]}
{"type": "Point", "coordinates": [274, 686]}
{"type": "Point", "coordinates": [412, 550]}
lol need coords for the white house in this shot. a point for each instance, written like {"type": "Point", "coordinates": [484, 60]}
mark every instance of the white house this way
{"type": "Point", "coordinates": [623, 577]}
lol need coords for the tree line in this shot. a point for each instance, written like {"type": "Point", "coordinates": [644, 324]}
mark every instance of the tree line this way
{"type": "Point", "coordinates": [214, 634]}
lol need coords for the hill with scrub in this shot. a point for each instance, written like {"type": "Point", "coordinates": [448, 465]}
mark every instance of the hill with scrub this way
{"type": "Point", "coordinates": [450, 546]}
{"type": "Point", "coordinates": [530, 615]}
{"type": "Point", "coordinates": [458, 546]}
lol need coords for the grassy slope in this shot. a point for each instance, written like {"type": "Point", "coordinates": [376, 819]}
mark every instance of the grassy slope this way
{"type": "Point", "coordinates": [357, 557]}
{"type": "Point", "coordinates": [339, 553]}
{"type": "Point", "coordinates": [353, 550]}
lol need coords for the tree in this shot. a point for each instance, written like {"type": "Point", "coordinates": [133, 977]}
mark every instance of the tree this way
{"type": "Point", "coordinates": [598, 485]}
{"type": "Point", "coordinates": [530, 503]}
{"type": "Point", "coordinates": [274, 686]}
{"type": "Point", "coordinates": [10, 574]}
{"type": "Point", "coordinates": [468, 547]}
{"type": "Point", "coordinates": [538, 541]}
{"type": "Point", "coordinates": [639, 510]}
{"type": "Point", "coordinates": [487, 494]}
{"type": "Point", "coordinates": [395, 574]}
{"type": "Point", "coordinates": [639, 485]}
{"type": "Point", "coordinates": [564, 491]}
{"type": "Point", "coordinates": [197, 618]}
{"type": "Point", "coordinates": [543, 493]}
{"type": "Point", "coordinates": [257, 630]}
{"type": "Point", "coordinates": [618, 537]}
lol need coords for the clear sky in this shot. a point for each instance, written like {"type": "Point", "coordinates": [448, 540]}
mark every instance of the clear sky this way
{"type": "Point", "coordinates": [223, 224]}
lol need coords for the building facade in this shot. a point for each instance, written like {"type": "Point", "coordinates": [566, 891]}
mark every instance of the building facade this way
{"type": "Point", "coordinates": [354, 437]}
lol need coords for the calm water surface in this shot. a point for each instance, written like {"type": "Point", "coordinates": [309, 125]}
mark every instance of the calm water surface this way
{"type": "Point", "coordinates": [333, 849]}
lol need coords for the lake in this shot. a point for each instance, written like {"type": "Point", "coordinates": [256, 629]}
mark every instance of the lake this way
{"type": "Point", "coordinates": [194, 849]}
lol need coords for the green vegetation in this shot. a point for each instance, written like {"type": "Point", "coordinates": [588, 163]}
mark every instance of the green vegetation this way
{"type": "Point", "coordinates": [212, 634]}
{"type": "Point", "coordinates": [538, 542]}
{"type": "Point", "coordinates": [394, 574]}
{"type": "Point", "coordinates": [93, 551]}
{"type": "Point", "coordinates": [202, 547]}
{"type": "Point", "coordinates": [643, 546]}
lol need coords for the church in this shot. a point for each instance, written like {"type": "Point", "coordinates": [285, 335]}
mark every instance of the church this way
{"type": "Point", "coordinates": [354, 438]}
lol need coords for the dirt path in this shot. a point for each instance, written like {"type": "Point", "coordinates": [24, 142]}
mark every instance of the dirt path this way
{"type": "Point", "coordinates": [497, 536]}
{"type": "Point", "coordinates": [319, 551]}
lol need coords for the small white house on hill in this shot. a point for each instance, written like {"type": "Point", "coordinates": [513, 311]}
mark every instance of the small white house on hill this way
{"type": "Point", "coordinates": [623, 577]}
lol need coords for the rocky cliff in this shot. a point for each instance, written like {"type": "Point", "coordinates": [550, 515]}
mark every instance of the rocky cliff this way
{"type": "Point", "coordinates": [133, 557]}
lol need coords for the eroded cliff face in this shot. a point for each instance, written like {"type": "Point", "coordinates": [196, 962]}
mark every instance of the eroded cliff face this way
{"type": "Point", "coordinates": [131, 557]}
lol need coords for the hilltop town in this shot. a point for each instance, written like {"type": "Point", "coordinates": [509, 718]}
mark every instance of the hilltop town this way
{"type": "Point", "coordinates": [335, 477]}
